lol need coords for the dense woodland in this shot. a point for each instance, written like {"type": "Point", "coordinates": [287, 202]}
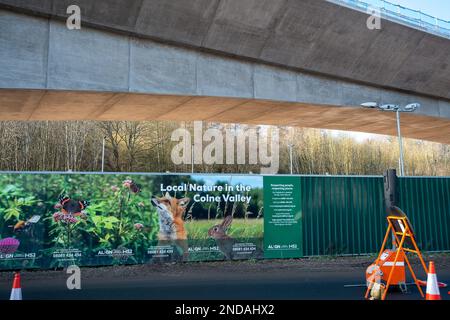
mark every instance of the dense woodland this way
{"type": "Point", "coordinates": [147, 146]}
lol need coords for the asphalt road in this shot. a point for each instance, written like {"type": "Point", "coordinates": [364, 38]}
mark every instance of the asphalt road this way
{"type": "Point", "coordinates": [208, 282]}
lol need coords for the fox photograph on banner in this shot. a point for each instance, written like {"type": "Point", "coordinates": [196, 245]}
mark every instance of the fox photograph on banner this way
{"type": "Point", "coordinates": [60, 219]}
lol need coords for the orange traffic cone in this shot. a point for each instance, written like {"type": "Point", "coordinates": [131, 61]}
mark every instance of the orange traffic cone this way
{"type": "Point", "coordinates": [16, 292]}
{"type": "Point", "coordinates": [432, 284]}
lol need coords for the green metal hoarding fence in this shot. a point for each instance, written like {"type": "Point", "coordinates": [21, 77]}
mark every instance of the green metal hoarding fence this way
{"type": "Point", "coordinates": [345, 214]}
{"type": "Point", "coordinates": [426, 201]}
{"type": "Point", "coordinates": [335, 215]}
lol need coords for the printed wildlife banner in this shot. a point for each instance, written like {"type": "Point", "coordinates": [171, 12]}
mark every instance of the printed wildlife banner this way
{"type": "Point", "coordinates": [208, 217]}
{"type": "Point", "coordinates": [50, 220]}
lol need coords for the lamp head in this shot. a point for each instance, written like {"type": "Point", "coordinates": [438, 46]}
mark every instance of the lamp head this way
{"type": "Point", "coordinates": [411, 107]}
{"type": "Point", "coordinates": [369, 105]}
{"type": "Point", "coordinates": [390, 107]}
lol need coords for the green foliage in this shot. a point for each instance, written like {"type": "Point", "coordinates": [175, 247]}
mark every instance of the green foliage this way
{"type": "Point", "coordinates": [15, 205]}
{"type": "Point", "coordinates": [240, 228]}
{"type": "Point", "coordinates": [112, 214]}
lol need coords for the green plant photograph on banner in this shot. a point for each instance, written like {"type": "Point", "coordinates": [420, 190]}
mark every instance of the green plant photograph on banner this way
{"type": "Point", "coordinates": [55, 220]}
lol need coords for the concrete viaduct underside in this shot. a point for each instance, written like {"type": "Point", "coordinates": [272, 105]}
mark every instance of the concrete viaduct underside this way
{"type": "Point", "coordinates": [105, 106]}
{"type": "Point", "coordinates": [51, 73]}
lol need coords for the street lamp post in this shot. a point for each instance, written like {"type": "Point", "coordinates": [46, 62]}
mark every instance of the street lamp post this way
{"type": "Point", "coordinates": [393, 107]}
{"type": "Point", "coordinates": [103, 154]}
{"type": "Point", "coordinates": [400, 143]}
{"type": "Point", "coordinates": [192, 158]}
{"type": "Point", "coordinates": [290, 157]}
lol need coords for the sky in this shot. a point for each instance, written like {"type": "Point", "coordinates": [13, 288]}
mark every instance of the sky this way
{"type": "Point", "coordinates": [357, 136]}
{"type": "Point", "coordinates": [436, 8]}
